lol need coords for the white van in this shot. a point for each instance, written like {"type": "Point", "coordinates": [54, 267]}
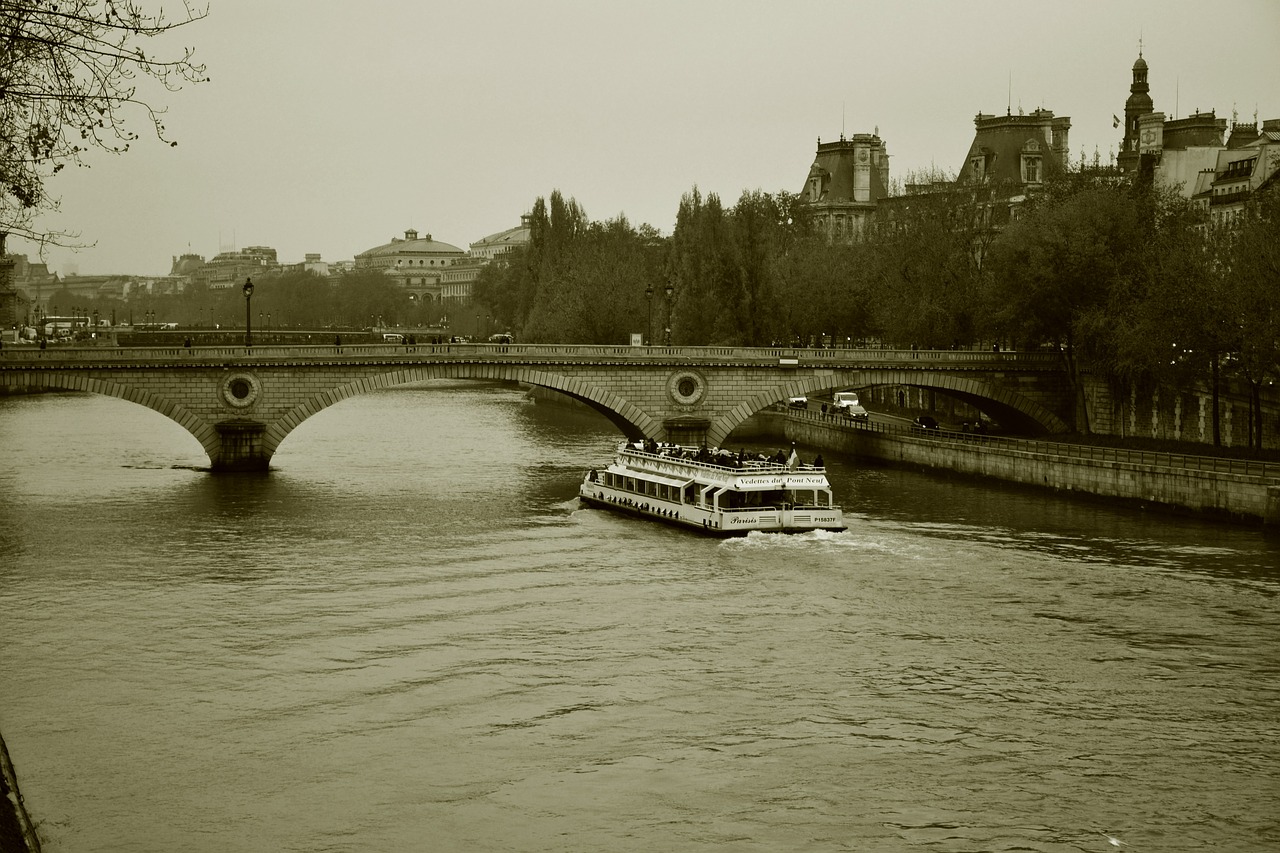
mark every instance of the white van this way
{"type": "Point", "coordinates": [847, 404]}
{"type": "Point", "coordinates": [845, 398]}
{"type": "Point", "coordinates": [392, 338]}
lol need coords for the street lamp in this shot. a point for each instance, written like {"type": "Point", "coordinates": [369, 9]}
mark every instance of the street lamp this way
{"type": "Point", "coordinates": [248, 311]}
{"type": "Point", "coordinates": [670, 291]}
{"type": "Point", "coordinates": [648, 294]}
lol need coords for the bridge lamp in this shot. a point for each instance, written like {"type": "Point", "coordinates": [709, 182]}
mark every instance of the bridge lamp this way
{"type": "Point", "coordinates": [248, 311]}
{"type": "Point", "coordinates": [648, 294]}
{"type": "Point", "coordinates": [670, 291]}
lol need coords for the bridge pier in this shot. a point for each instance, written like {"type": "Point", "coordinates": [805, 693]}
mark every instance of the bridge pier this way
{"type": "Point", "coordinates": [241, 446]}
{"type": "Point", "coordinates": [691, 432]}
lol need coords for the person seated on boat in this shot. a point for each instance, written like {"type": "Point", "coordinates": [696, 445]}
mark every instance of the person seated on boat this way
{"type": "Point", "coordinates": [817, 461]}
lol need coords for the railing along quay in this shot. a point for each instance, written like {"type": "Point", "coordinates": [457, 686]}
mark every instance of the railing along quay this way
{"type": "Point", "coordinates": [773, 356]}
{"type": "Point", "coordinates": [1093, 453]}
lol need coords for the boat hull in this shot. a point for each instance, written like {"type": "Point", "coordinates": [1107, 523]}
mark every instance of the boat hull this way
{"type": "Point", "coordinates": [800, 519]}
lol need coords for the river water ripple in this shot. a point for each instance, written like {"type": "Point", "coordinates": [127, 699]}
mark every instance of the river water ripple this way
{"type": "Point", "coordinates": [407, 636]}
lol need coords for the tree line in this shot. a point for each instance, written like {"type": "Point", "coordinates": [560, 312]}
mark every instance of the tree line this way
{"type": "Point", "coordinates": [284, 300]}
{"type": "Point", "coordinates": [1130, 282]}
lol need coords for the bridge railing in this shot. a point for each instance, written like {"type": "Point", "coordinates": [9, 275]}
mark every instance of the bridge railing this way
{"type": "Point", "coordinates": [1093, 453]}
{"type": "Point", "coordinates": [779, 356]}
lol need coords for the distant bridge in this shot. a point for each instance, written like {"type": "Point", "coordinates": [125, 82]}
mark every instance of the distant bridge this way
{"type": "Point", "coordinates": [241, 402]}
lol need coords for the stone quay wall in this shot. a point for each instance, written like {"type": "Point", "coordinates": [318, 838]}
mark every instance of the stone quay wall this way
{"type": "Point", "coordinates": [1182, 414]}
{"type": "Point", "coordinates": [1249, 497]}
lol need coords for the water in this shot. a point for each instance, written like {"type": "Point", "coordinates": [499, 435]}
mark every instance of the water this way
{"type": "Point", "coordinates": [407, 636]}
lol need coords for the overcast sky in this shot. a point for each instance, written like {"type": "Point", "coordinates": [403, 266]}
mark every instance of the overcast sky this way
{"type": "Point", "coordinates": [330, 126]}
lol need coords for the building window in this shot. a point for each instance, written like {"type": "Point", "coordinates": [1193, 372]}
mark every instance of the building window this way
{"type": "Point", "coordinates": [1031, 170]}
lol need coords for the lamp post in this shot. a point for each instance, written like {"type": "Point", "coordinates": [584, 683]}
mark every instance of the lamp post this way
{"type": "Point", "coordinates": [670, 291]}
{"type": "Point", "coordinates": [248, 311]}
{"type": "Point", "coordinates": [648, 294]}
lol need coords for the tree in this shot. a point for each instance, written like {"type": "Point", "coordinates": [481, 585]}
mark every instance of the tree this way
{"type": "Point", "coordinates": [553, 233]}
{"type": "Point", "coordinates": [824, 288]}
{"type": "Point", "coordinates": [698, 266]}
{"type": "Point", "coordinates": [68, 85]}
{"type": "Point", "coordinates": [1252, 278]}
{"type": "Point", "coordinates": [600, 295]}
{"type": "Point", "coordinates": [1058, 269]}
{"type": "Point", "coordinates": [929, 255]}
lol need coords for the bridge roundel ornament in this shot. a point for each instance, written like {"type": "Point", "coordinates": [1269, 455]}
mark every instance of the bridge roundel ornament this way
{"type": "Point", "coordinates": [687, 387]}
{"type": "Point", "coordinates": [240, 390]}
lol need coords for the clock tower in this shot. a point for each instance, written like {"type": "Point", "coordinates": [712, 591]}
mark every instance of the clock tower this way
{"type": "Point", "coordinates": [1138, 105]}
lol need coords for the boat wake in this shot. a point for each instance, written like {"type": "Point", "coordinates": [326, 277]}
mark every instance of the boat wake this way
{"type": "Point", "coordinates": [806, 540]}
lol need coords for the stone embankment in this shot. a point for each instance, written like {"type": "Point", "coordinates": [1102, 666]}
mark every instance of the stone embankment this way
{"type": "Point", "coordinates": [17, 834]}
{"type": "Point", "coordinates": [1237, 490]}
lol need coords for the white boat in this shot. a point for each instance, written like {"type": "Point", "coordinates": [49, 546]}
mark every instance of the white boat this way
{"type": "Point", "coordinates": [714, 491]}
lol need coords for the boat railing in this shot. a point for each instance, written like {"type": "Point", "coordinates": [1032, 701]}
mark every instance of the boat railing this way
{"type": "Point", "coordinates": [776, 508]}
{"type": "Point", "coordinates": [731, 464]}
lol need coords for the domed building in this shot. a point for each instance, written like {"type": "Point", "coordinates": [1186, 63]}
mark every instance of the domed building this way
{"type": "Point", "coordinates": [417, 264]}
{"type": "Point", "coordinates": [490, 247]}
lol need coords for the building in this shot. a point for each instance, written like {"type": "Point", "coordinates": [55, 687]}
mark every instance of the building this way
{"type": "Point", "coordinates": [227, 270]}
{"type": "Point", "coordinates": [847, 180]}
{"type": "Point", "coordinates": [25, 289]}
{"type": "Point", "coordinates": [416, 264]}
{"type": "Point", "coordinates": [1174, 152]}
{"type": "Point", "coordinates": [1019, 152]}
{"type": "Point", "coordinates": [310, 263]}
{"type": "Point", "coordinates": [1198, 156]}
{"type": "Point", "coordinates": [1250, 161]}
{"type": "Point", "coordinates": [488, 248]}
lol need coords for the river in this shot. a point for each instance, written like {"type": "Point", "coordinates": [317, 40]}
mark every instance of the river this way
{"type": "Point", "coordinates": [407, 636]}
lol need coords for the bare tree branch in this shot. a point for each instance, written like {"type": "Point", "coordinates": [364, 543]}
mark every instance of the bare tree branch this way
{"type": "Point", "coordinates": [69, 74]}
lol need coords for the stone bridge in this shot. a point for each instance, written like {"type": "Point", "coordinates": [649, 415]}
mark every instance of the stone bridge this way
{"type": "Point", "coordinates": [241, 402]}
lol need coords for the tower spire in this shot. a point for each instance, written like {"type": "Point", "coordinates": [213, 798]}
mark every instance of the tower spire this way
{"type": "Point", "coordinates": [1138, 104]}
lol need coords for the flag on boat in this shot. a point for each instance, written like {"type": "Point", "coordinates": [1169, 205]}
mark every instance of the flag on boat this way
{"type": "Point", "coordinates": [794, 461]}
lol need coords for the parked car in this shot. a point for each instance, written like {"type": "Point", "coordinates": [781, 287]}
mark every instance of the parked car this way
{"type": "Point", "coordinates": [924, 422]}
{"type": "Point", "coordinates": [800, 402]}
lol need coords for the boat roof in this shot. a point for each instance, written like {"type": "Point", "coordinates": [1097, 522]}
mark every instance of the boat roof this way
{"type": "Point", "coordinates": [669, 467]}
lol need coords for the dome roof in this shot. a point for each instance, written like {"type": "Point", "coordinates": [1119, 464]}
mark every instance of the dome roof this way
{"type": "Point", "coordinates": [1140, 65]}
{"type": "Point", "coordinates": [412, 245]}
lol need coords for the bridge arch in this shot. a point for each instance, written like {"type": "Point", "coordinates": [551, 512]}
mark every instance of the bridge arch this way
{"type": "Point", "coordinates": [1006, 406]}
{"type": "Point", "coordinates": [633, 422]}
{"type": "Point", "coordinates": [197, 426]}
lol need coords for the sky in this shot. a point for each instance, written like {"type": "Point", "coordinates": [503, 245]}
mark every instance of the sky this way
{"type": "Point", "coordinates": [328, 130]}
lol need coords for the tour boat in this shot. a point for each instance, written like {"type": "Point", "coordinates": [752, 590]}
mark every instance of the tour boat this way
{"type": "Point", "coordinates": [714, 491]}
